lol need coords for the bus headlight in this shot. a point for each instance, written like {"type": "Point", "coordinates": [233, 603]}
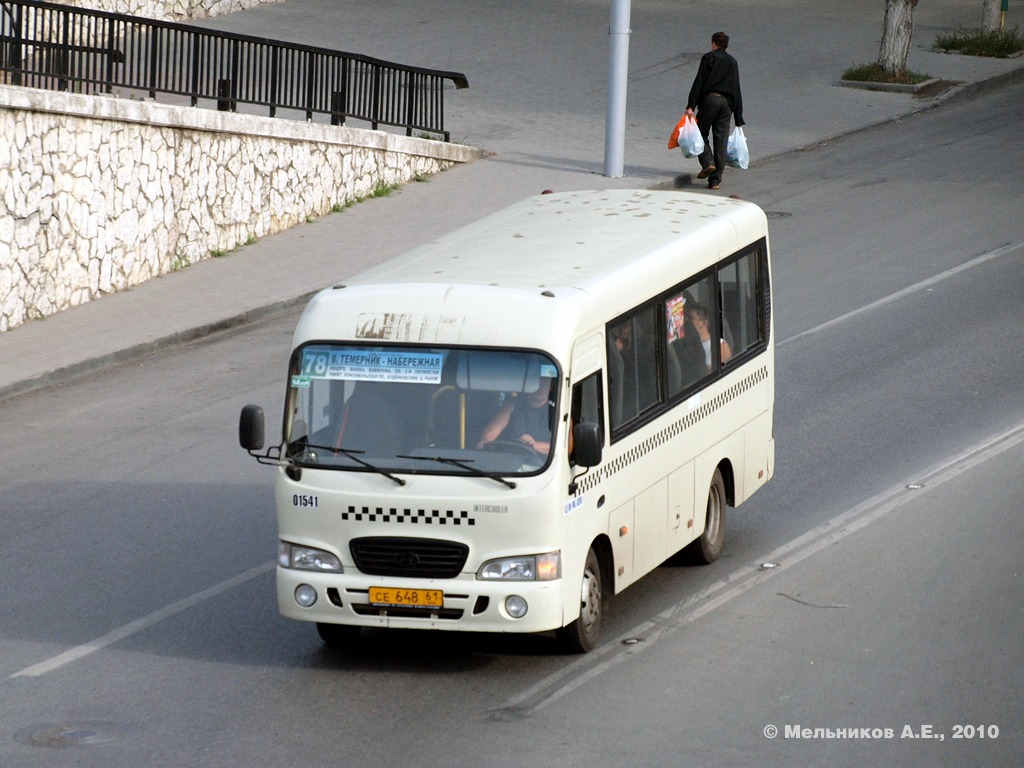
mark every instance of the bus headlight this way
{"type": "Point", "coordinates": [544, 567]}
{"type": "Point", "coordinates": [306, 558]}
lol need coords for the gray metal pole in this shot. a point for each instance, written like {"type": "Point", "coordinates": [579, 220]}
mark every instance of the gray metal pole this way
{"type": "Point", "coordinates": [618, 70]}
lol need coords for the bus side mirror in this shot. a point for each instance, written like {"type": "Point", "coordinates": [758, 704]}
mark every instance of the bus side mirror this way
{"type": "Point", "coordinates": [250, 428]}
{"type": "Point", "coordinates": [587, 440]}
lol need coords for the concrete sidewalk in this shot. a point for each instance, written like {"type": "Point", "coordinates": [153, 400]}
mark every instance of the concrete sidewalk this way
{"type": "Point", "coordinates": [538, 82]}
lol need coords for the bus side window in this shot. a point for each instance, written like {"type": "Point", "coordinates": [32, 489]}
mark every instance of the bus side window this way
{"type": "Point", "coordinates": [633, 374]}
{"type": "Point", "coordinates": [586, 406]}
{"type": "Point", "coordinates": [738, 294]}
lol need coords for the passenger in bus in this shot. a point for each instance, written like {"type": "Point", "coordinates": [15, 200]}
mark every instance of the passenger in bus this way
{"type": "Point", "coordinates": [685, 345]}
{"type": "Point", "coordinates": [698, 315]}
{"type": "Point", "coordinates": [622, 373]}
{"type": "Point", "coordinates": [524, 419]}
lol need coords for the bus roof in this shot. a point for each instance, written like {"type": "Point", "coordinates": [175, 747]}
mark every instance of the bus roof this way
{"type": "Point", "coordinates": [610, 246]}
{"type": "Point", "coordinates": [575, 239]}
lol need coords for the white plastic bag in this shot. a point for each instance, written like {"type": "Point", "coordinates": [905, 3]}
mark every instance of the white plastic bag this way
{"type": "Point", "coordinates": [690, 140]}
{"type": "Point", "coordinates": [737, 154]}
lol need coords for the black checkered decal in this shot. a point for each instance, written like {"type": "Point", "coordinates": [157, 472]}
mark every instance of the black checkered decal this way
{"type": "Point", "coordinates": [410, 516]}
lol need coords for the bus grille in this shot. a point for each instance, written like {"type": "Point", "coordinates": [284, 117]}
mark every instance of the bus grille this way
{"type": "Point", "coordinates": [408, 557]}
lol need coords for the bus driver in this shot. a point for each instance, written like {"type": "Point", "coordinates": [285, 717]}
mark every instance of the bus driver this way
{"type": "Point", "coordinates": [525, 419]}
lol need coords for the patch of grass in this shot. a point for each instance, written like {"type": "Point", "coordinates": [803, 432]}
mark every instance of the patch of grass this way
{"type": "Point", "coordinates": [975, 42]}
{"type": "Point", "coordinates": [217, 253]}
{"type": "Point", "coordinates": [180, 261]}
{"type": "Point", "coordinates": [383, 189]}
{"type": "Point", "coordinates": [875, 73]}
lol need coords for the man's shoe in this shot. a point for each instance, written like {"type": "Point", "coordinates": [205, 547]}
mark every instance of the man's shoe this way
{"type": "Point", "coordinates": [705, 172]}
{"type": "Point", "coordinates": [713, 186]}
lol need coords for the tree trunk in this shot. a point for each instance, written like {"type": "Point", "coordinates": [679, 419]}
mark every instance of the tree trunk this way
{"type": "Point", "coordinates": [899, 27]}
{"type": "Point", "coordinates": [991, 15]}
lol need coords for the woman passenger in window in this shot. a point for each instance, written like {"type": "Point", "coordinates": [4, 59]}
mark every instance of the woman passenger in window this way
{"type": "Point", "coordinates": [699, 317]}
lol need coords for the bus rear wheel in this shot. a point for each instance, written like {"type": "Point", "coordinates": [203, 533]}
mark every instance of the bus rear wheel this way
{"type": "Point", "coordinates": [706, 549]}
{"type": "Point", "coordinates": [581, 635]}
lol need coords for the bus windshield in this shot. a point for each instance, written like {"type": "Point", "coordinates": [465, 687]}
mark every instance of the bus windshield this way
{"type": "Point", "coordinates": [421, 410]}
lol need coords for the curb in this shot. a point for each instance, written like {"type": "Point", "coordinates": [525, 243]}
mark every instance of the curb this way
{"type": "Point", "coordinates": [867, 85]}
{"type": "Point", "coordinates": [981, 86]}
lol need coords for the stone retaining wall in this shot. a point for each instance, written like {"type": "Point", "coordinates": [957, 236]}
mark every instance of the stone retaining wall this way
{"type": "Point", "coordinates": [99, 193]}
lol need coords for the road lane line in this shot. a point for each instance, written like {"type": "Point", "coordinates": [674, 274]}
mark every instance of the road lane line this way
{"type": "Point", "coordinates": [928, 283]}
{"type": "Point", "coordinates": [134, 627]}
{"type": "Point", "coordinates": [647, 634]}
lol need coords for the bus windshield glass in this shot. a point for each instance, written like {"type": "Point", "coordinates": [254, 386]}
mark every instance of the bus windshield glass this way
{"type": "Point", "coordinates": [421, 410]}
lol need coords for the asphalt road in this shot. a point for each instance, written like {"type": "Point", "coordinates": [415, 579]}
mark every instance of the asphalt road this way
{"type": "Point", "coordinates": [139, 619]}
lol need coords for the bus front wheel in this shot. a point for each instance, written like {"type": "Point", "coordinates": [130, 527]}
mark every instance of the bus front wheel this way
{"type": "Point", "coordinates": [581, 635]}
{"type": "Point", "coordinates": [708, 547]}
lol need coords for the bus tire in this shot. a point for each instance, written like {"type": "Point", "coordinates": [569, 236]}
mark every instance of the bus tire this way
{"type": "Point", "coordinates": [581, 635]}
{"type": "Point", "coordinates": [337, 635]}
{"type": "Point", "coordinates": [706, 549]}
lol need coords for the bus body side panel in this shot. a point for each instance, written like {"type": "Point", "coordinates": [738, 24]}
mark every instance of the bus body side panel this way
{"type": "Point", "coordinates": [759, 462]}
{"type": "Point", "coordinates": [681, 514]}
{"type": "Point", "coordinates": [620, 528]}
{"type": "Point", "coordinates": [652, 477]}
{"type": "Point", "coordinates": [649, 547]}
{"type": "Point", "coordinates": [667, 466]}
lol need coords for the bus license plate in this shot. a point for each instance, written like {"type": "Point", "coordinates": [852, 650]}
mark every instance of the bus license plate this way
{"type": "Point", "coordinates": [406, 598]}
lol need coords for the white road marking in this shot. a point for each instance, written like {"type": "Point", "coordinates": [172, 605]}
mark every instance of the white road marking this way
{"type": "Point", "coordinates": [134, 627]}
{"type": "Point", "coordinates": [924, 284]}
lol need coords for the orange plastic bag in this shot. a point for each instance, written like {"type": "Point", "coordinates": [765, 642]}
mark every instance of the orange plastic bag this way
{"type": "Point", "coordinates": [673, 140]}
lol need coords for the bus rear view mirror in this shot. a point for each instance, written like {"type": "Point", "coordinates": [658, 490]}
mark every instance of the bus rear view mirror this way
{"type": "Point", "coordinates": [587, 441]}
{"type": "Point", "coordinates": [250, 428]}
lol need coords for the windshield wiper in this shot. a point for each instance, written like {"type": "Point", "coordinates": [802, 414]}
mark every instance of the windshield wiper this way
{"type": "Point", "coordinates": [463, 465]}
{"type": "Point", "coordinates": [350, 454]}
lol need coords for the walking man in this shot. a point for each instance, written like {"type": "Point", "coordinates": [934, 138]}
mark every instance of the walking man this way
{"type": "Point", "coordinates": [715, 96]}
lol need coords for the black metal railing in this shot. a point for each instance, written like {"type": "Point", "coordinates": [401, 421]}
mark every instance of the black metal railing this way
{"type": "Point", "coordinates": [58, 47]}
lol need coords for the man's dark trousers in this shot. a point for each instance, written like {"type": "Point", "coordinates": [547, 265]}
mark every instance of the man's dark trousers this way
{"type": "Point", "coordinates": [713, 118]}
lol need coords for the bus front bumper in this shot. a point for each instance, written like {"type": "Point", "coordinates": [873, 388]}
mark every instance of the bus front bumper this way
{"type": "Point", "coordinates": [466, 603]}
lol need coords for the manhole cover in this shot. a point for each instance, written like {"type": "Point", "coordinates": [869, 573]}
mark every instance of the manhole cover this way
{"type": "Point", "coordinates": [65, 735]}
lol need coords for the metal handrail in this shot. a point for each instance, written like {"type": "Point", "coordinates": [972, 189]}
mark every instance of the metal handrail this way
{"type": "Point", "coordinates": [59, 47]}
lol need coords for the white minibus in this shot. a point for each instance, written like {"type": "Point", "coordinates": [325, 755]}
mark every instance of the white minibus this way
{"type": "Point", "coordinates": [504, 427]}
